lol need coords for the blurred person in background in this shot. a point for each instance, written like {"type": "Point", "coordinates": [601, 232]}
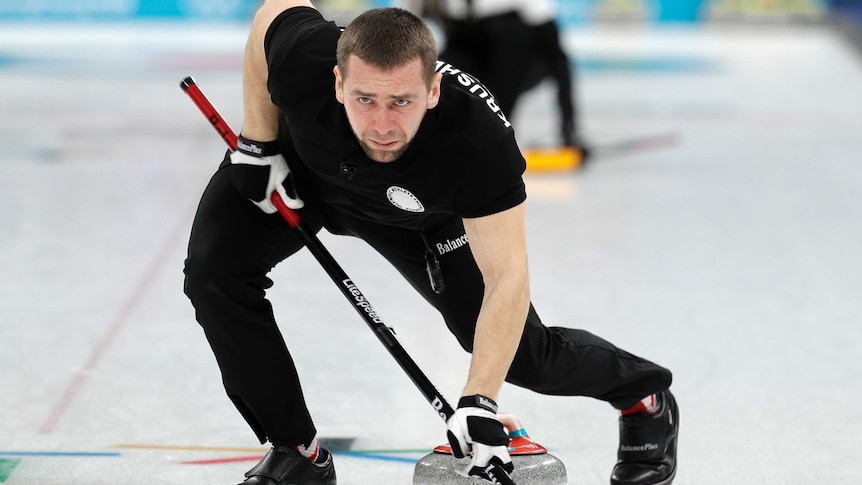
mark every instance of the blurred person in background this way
{"type": "Point", "coordinates": [512, 46]}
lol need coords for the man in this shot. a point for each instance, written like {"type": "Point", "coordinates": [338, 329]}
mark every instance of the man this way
{"type": "Point", "coordinates": [414, 157]}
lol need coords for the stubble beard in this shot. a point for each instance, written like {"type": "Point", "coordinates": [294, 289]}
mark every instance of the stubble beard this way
{"type": "Point", "coordinates": [383, 156]}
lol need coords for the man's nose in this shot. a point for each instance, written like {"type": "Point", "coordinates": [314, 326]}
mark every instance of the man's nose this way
{"type": "Point", "coordinates": [384, 121]}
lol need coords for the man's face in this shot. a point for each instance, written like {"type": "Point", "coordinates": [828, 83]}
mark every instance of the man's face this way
{"type": "Point", "coordinates": [385, 108]}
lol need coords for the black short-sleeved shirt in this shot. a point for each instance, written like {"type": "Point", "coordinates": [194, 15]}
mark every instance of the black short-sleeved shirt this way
{"type": "Point", "coordinates": [463, 161]}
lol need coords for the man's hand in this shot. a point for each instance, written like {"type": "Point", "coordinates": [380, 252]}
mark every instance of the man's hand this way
{"type": "Point", "coordinates": [262, 170]}
{"type": "Point", "coordinates": [474, 427]}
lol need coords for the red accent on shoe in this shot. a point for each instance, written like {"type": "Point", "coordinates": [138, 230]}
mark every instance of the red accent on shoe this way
{"type": "Point", "coordinates": [648, 404]}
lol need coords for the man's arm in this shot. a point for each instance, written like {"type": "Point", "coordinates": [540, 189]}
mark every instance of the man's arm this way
{"type": "Point", "coordinates": [261, 116]}
{"type": "Point", "coordinates": [499, 246]}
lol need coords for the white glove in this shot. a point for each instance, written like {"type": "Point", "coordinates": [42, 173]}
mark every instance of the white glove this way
{"type": "Point", "coordinates": [263, 171]}
{"type": "Point", "coordinates": [474, 427]}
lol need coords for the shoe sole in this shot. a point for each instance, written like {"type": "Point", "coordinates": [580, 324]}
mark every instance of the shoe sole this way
{"type": "Point", "coordinates": [668, 480]}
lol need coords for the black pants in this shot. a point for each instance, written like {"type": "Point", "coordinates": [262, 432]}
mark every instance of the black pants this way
{"type": "Point", "coordinates": [234, 245]}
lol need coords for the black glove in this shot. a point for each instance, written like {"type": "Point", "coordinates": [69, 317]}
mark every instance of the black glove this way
{"type": "Point", "coordinates": [261, 171]}
{"type": "Point", "coordinates": [474, 427]}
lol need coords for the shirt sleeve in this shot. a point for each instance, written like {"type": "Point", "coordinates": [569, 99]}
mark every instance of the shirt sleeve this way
{"type": "Point", "coordinates": [300, 46]}
{"type": "Point", "coordinates": [495, 182]}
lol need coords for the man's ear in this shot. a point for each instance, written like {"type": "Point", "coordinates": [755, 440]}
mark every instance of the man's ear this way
{"type": "Point", "coordinates": [434, 93]}
{"type": "Point", "coordinates": [339, 85]}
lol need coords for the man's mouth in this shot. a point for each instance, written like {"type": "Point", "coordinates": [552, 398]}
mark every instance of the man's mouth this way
{"type": "Point", "coordinates": [383, 145]}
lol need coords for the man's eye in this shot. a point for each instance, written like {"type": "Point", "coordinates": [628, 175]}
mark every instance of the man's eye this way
{"type": "Point", "coordinates": [401, 102]}
{"type": "Point", "coordinates": [364, 100]}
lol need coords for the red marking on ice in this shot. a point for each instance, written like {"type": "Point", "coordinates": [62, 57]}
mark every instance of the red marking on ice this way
{"type": "Point", "coordinates": [74, 387]}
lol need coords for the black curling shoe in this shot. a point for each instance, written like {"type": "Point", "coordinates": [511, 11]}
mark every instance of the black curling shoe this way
{"type": "Point", "coordinates": [283, 465]}
{"type": "Point", "coordinates": [647, 453]}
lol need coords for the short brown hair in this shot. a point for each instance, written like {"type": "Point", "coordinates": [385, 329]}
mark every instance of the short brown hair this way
{"type": "Point", "coordinates": [388, 38]}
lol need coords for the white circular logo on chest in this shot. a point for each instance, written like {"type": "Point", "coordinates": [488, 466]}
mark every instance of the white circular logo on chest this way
{"type": "Point", "coordinates": [404, 199]}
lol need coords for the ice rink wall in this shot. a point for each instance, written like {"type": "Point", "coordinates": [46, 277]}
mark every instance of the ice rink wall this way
{"type": "Point", "coordinates": [845, 14]}
{"type": "Point", "coordinates": [572, 12]}
{"type": "Point", "coordinates": [122, 10]}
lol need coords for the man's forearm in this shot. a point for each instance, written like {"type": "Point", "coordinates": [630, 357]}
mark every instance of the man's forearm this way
{"type": "Point", "coordinates": [261, 116]}
{"type": "Point", "coordinates": [499, 246]}
{"type": "Point", "coordinates": [498, 333]}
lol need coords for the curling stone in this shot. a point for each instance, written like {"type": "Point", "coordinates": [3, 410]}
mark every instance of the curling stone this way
{"type": "Point", "coordinates": [533, 464]}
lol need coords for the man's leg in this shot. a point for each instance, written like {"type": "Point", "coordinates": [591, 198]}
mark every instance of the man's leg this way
{"type": "Point", "coordinates": [547, 45]}
{"type": "Point", "coordinates": [233, 246]}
